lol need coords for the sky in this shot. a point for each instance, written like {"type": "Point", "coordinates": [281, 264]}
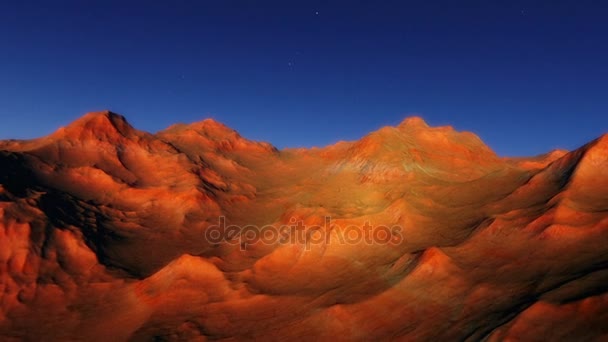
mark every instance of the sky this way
{"type": "Point", "coordinates": [526, 76]}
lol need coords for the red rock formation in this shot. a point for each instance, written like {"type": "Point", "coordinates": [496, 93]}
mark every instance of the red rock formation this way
{"type": "Point", "coordinates": [411, 233]}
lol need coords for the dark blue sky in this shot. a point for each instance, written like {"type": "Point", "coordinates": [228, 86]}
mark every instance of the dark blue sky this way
{"type": "Point", "coordinates": [527, 76]}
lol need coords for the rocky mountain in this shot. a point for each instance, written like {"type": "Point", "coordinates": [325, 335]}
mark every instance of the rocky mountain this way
{"type": "Point", "coordinates": [196, 233]}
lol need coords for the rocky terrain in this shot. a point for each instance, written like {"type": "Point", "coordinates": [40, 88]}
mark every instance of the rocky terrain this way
{"type": "Point", "coordinates": [108, 233]}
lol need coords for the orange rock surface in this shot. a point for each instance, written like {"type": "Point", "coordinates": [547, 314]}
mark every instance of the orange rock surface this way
{"type": "Point", "coordinates": [105, 235]}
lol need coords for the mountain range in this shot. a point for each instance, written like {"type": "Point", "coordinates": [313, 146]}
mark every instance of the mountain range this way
{"type": "Point", "coordinates": [412, 233]}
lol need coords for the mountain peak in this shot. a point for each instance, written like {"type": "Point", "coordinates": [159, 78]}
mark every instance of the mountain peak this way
{"type": "Point", "coordinates": [212, 133]}
{"type": "Point", "coordinates": [596, 152]}
{"type": "Point", "coordinates": [413, 122]}
{"type": "Point", "coordinates": [98, 123]}
{"type": "Point", "coordinates": [100, 116]}
{"type": "Point", "coordinates": [602, 142]}
{"type": "Point", "coordinates": [208, 126]}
